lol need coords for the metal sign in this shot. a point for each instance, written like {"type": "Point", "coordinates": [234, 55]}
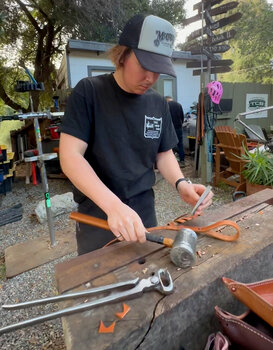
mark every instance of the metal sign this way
{"type": "Point", "coordinates": [213, 70]}
{"type": "Point", "coordinates": [216, 39]}
{"type": "Point", "coordinates": [219, 24]}
{"type": "Point", "coordinates": [212, 49]}
{"type": "Point", "coordinates": [213, 12]}
{"type": "Point", "coordinates": [206, 3]}
{"type": "Point", "coordinates": [214, 63]}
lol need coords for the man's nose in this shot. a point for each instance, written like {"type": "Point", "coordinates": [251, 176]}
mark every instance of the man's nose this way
{"type": "Point", "coordinates": [151, 76]}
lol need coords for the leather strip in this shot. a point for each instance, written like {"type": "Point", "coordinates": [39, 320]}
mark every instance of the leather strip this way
{"type": "Point", "coordinates": [177, 224]}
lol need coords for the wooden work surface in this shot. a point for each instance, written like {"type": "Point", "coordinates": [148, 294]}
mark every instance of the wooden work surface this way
{"type": "Point", "coordinates": [184, 318]}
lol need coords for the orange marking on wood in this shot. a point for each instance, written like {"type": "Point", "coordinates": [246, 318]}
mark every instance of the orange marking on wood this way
{"type": "Point", "coordinates": [126, 309]}
{"type": "Point", "coordinates": [110, 329]}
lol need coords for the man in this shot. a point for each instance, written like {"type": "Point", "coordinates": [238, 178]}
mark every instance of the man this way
{"type": "Point", "coordinates": [115, 129]}
{"type": "Point", "coordinates": [177, 115]}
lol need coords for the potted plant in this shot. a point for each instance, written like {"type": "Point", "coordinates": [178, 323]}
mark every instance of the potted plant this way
{"type": "Point", "coordinates": [258, 170]}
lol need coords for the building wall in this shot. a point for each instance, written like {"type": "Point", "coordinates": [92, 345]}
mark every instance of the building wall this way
{"type": "Point", "coordinates": [79, 62]}
{"type": "Point", "coordinates": [237, 92]}
{"type": "Point", "coordinates": [188, 86]}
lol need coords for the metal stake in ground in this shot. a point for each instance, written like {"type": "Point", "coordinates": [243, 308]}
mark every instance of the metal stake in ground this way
{"type": "Point", "coordinates": [41, 162]}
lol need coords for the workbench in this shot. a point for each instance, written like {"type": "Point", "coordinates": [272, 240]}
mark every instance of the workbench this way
{"type": "Point", "coordinates": [185, 318]}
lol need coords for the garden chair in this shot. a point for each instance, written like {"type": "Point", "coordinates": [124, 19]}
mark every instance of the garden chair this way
{"type": "Point", "coordinates": [232, 146]}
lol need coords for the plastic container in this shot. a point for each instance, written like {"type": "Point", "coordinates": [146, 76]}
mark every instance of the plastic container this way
{"type": "Point", "coordinates": [54, 132]}
{"type": "Point", "coordinates": [5, 167]}
{"type": "Point", "coordinates": [3, 149]}
{"type": "Point", "coordinates": [6, 185]}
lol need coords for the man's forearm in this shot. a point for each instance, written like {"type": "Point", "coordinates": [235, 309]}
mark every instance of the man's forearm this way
{"type": "Point", "coordinates": [82, 175]}
{"type": "Point", "coordinates": [169, 167]}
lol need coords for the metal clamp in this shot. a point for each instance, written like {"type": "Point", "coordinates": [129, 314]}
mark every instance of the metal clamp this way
{"type": "Point", "coordinates": [160, 281]}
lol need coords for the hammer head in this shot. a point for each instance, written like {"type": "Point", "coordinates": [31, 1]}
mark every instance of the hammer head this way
{"type": "Point", "coordinates": [183, 251]}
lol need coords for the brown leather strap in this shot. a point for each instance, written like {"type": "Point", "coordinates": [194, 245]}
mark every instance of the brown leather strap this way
{"type": "Point", "coordinates": [175, 225]}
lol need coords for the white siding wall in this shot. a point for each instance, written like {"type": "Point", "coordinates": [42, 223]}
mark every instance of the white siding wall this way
{"type": "Point", "coordinates": [188, 86]}
{"type": "Point", "coordinates": [79, 61]}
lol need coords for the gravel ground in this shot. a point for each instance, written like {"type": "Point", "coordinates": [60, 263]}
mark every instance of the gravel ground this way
{"type": "Point", "coordinates": [40, 282]}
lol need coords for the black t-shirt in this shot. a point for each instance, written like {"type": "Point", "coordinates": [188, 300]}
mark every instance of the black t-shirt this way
{"type": "Point", "coordinates": [124, 132]}
{"type": "Point", "coordinates": [177, 114]}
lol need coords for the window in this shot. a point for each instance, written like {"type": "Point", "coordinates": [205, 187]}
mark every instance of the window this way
{"type": "Point", "coordinates": [94, 71]}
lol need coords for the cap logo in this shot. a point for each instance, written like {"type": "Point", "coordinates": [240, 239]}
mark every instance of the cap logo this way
{"type": "Point", "coordinates": [167, 39]}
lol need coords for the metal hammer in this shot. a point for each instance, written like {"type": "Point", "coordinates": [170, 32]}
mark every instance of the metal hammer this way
{"type": "Point", "coordinates": [182, 247]}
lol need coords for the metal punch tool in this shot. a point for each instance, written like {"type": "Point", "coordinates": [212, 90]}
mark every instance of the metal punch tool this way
{"type": "Point", "coordinates": [201, 199]}
{"type": "Point", "coordinates": [161, 281]}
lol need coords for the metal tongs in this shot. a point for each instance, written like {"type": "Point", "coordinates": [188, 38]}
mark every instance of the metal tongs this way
{"type": "Point", "coordinates": [160, 281]}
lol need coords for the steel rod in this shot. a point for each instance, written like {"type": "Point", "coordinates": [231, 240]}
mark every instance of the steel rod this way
{"type": "Point", "coordinates": [71, 295]}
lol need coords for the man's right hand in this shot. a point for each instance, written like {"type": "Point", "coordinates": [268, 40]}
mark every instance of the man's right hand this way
{"type": "Point", "coordinates": [126, 224]}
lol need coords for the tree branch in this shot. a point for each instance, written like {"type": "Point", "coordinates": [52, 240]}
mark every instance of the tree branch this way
{"type": "Point", "coordinates": [28, 14]}
{"type": "Point", "coordinates": [8, 101]}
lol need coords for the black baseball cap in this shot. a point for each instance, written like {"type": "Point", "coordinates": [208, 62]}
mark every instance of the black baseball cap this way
{"type": "Point", "coordinates": [152, 39]}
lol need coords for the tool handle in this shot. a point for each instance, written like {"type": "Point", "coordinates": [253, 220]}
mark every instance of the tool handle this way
{"type": "Point", "coordinates": [168, 242]}
{"type": "Point", "coordinates": [91, 220]}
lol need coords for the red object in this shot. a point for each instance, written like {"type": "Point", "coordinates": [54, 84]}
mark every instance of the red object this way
{"type": "Point", "coordinates": [54, 132]}
{"type": "Point", "coordinates": [34, 178]}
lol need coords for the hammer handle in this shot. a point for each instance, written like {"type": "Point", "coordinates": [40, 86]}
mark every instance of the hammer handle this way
{"type": "Point", "coordinates": [91, 220]}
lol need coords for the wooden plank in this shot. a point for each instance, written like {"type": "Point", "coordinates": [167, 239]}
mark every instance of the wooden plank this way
{"type": "Point", "coordinates": [81, 269]}
{"type": "Point", "coordinates": [207, 3]}
{"type": "Point", "coordinates": [213, 12]}
{"type": "Point", "coordinates": [93, 264]}
{"type": "Point", "coordinates": [224, 8]}
{"type": "Point", "coordinates": [217, 25]}
{"type": "Point", "coordinates": [211, 49]}
{"type": "Point", "coordinates": [212, 70]}
{"type": "Point", "coordinates": [25, 256]}
{"type": "Point", "coordinates": [216, 39]}
{"type": "Point", "coordinates": [214, 63]}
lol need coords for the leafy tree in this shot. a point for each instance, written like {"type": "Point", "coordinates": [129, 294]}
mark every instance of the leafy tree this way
{"type": "Point", "coordinates": [252, 48]}
{"type": "Point", "coordinates": [33, 34]}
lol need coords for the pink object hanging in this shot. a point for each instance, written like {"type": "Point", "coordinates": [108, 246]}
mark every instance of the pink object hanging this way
{"type": "Point", "coordinates": [215, 90]}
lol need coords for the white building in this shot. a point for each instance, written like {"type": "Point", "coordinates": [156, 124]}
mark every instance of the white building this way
{"type": "Point", "coordinates": [89, 58]}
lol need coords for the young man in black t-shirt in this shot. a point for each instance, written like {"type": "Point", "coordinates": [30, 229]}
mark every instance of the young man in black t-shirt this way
{"type": "Point", "coordinates": [115, 129]}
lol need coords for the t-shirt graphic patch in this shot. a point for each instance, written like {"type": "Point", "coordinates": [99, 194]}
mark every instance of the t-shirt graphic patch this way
{"type": "Point", "coordinates": [152, 127]}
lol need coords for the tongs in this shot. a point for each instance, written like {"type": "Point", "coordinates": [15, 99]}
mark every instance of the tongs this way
{"type": "Point", "coordinates": [160, 281]}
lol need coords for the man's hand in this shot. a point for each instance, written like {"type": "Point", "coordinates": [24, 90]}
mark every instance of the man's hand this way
{"type": "Point", "coordinates": [190, 193]}
{"type": "Point", "coordinates": [126, 224]}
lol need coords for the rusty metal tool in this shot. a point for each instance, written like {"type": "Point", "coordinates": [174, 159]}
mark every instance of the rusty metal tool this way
{"type": "Point", "coordinates": [161, 281]}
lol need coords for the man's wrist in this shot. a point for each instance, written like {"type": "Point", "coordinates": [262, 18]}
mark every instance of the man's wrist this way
{"type": "Point", "coordinates": [182, 179]}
